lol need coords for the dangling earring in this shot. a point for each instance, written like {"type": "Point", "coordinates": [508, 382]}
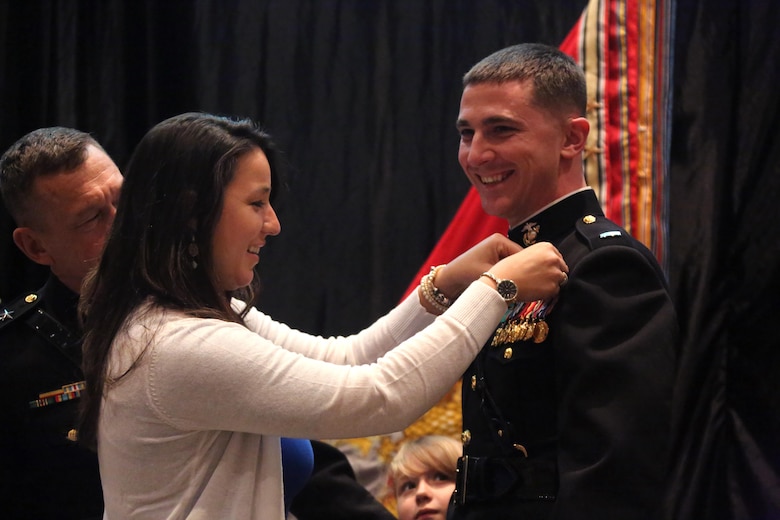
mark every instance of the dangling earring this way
{"type": "Point", "coordinates": [192, 250]}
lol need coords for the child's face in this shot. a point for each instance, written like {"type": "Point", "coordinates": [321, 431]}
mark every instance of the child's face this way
{"type": "Point", "coordinates": [424, 496]}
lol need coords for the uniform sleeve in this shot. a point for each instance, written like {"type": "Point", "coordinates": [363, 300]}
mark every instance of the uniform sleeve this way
{"type": "Point", "coordinates": [615, 374]}
{"type": "Point", "coordinates": [365, 347]}
{"type": "Point", "coordinates": [208, 374]}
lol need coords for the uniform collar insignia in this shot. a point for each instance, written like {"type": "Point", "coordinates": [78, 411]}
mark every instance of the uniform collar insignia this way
{"type": "Point", "coordinates": [530, 233]}
{"type": "Point", "coordinates": [557, 220]}
{"type": "Point", "coordinates": [6, 315]}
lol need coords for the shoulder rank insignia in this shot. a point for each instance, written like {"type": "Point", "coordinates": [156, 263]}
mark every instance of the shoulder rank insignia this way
{"type": "Point", "coordinates": [600, 232]}
{"type": "Point", "coordinates": [17, 308]}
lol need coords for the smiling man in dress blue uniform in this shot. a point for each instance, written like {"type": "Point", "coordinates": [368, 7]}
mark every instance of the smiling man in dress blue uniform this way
{"type": "Point", "coordinates": [566, 411]}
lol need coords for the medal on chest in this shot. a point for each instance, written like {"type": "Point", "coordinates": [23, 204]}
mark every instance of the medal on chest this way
{"type": "Point", "coordinates": [524, 321]}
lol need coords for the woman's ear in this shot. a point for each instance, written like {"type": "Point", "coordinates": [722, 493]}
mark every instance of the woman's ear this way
{"type": "Point", "coordinates": [31, 244]}
{"type": "Point", "coordinates": [576, 137]}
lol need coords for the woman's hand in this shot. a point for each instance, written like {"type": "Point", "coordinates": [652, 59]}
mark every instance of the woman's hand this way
{"type": "Point", "coordinates": [453, 278]}
{"type": "Point", "coordinates": [539, 271]}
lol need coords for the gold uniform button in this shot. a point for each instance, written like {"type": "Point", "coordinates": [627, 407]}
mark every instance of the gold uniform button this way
{"type": "Point", "coordinates": [508, 353]}
{"type": "Point", "coordinates": [521, 448]}
{"type": "Point", "coordinates": [465, 437]}
{"type": "Point", "coordinates": [73, 435]}
{"type": "Point", "coordinates": [589, 219]}
{"type": "Point", "coordinates": [473, 382]}
{"type": "Point", "coordinates": [30, 298]}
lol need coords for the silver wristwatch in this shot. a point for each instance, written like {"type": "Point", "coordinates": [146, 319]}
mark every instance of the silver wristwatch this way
{"type": "Point", "coordinates": [506, 288]}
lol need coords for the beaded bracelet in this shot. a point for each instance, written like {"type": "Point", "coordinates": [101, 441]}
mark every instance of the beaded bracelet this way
{"type": "Point", "coordinates": [433, 295]}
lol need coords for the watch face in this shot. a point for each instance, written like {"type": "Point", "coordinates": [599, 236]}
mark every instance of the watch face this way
{"type": "Point", "coordinates": [507, 289]}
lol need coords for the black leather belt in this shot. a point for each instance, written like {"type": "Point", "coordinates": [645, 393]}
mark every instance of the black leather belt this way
{"type": "Point", "coordinates": [489, 478]}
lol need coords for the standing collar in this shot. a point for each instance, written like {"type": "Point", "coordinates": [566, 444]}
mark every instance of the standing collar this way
{"type": "Point", "coordinates": [557, 218]}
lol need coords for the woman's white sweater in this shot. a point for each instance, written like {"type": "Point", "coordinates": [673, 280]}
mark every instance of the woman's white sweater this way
{"type": "Point", "coordinates": [192, 431]}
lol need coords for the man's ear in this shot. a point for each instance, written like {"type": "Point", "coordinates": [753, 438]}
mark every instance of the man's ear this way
{"type": "Point", "coordinates": [576, 137]}
{"type": "Point", "coordinates": [32, 245]}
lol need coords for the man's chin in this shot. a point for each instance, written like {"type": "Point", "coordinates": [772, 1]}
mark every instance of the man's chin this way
{"type": "Point", "coordinates": [499, 209]}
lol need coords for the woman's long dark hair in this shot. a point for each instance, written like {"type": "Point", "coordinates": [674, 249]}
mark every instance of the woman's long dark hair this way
{"type": "Point", "coordinates": [172, 195]}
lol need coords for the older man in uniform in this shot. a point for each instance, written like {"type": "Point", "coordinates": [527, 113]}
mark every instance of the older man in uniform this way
{"type": "Point", "coordinates": [60, 187]}
{"type": "Point", "coordinates": [566, 411]}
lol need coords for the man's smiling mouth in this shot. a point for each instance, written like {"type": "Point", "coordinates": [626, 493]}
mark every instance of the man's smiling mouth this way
{"type": "Point", "coordinates": [494, 179]}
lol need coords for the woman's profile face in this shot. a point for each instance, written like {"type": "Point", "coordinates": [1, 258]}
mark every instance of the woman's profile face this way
{"type": "Point", "coordinates": [247, 219]}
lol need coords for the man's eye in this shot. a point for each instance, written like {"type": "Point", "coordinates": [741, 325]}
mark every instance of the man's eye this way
{"type": "Point", "coordinates": [259, 203]}
{"type": "Point", "coordinates": [90, 219]}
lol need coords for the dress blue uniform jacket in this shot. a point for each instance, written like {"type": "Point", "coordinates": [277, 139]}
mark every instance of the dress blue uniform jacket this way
{"type": "Point", "coordinates": [44, 473]}
{"type": "Point", "coordinates": [575, 426]}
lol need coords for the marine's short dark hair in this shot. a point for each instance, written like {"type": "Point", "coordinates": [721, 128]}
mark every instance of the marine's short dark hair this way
{"type": "Point", "coordinates": [559, 83]}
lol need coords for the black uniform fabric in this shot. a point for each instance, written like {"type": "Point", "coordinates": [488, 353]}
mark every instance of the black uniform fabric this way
{"type": "Point", "coordinates": [590, 404]}
{"type": "Point", "coordinates": [333, 493]}
{"type": "Point", "coordinates": [44, 473]}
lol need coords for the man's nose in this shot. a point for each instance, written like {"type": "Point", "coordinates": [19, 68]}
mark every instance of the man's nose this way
{"type": "Point", "coordinates": [479, 151]}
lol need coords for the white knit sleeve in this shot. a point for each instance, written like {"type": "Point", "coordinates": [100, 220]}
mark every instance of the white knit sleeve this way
{"type": "Point", "coordinates": [364, 347]}
{"type": "Point", "coordinates": [208, 374]}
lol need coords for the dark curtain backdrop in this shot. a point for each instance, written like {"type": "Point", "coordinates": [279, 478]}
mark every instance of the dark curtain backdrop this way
{"type": "Point", "coordinates": [725, 258]}
{"type": "Point", "coordinates": [363, 94]}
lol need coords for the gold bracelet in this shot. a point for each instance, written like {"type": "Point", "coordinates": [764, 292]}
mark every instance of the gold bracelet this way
{"type": "Point", "coordinates": [433, 295]}
{"type": "Point", "coordinates": [437, 294]}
